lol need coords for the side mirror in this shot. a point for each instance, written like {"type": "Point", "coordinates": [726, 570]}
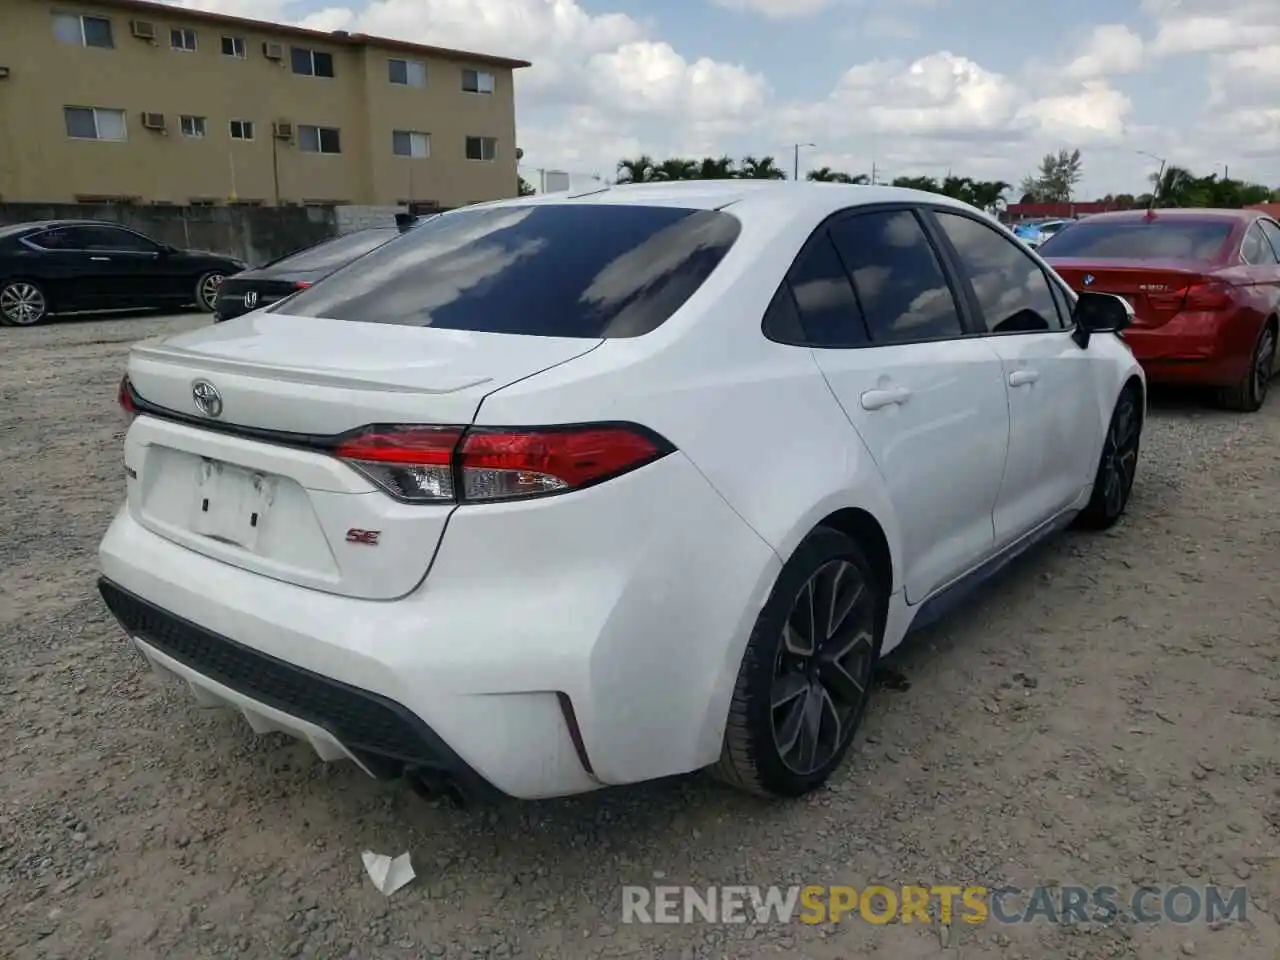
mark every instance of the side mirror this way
{"type": "Point", "coordinates": [1100, 313]}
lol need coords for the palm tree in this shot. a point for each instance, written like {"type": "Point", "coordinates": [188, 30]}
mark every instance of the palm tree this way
{"type": "Point", "coordinates": [987, 194]}
{"type": "Point", "coordinates": [760, 168]}
{"type": "Point", "coordinates": [717, 168]}
{"type": "Point", "coordinates": [676, 168]}
{"type": "Point", "coordinates": [827, 175]}
{"type": "Point", "coordinates": [524, 187]}
{"type": "Point", "coordinates": [928, 184]}
{"type": "Point", "coordinates": [1174, 188]}
{"type": "Point", "coordinates": [637, 170]}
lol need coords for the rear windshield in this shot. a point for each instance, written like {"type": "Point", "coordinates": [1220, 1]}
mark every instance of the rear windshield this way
{"type": "Point", "coordinates": [557, 270]}
{"type": "Point", "coordinates": [1140, 240]}
{"type": "Point", "coordinates": [332, 254]}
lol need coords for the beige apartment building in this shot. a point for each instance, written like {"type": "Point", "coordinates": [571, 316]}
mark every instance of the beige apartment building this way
{"type": "Point", "coordinates": [134, 101]}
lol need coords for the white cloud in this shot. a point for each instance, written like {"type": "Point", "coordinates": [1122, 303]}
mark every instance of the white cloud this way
{"type": "Point", "coordinates": [1111, 49]}
{"type": "Point", "coordinates": [1095, 114]}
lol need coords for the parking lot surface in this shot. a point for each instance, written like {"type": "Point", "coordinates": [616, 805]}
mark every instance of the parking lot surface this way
{"type": "Point", "coordinates": [1104, 715]}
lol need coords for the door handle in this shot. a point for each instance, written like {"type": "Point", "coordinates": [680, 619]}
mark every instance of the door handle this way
{"type": "Point", "coordinates": [888, 397]}
{"type": "Point", "coordinates": [1021, 377]}
{"type": "Point", "coordinates": [100, 258]}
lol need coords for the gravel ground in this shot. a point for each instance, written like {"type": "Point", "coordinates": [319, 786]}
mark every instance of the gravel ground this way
{"type": "Point", "coordinates": [1104, 715]}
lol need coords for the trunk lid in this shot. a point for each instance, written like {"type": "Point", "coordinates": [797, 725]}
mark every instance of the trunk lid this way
{"type": "Point", "coordinates": [1156, 289]}
{"type": "Point", "coordinates": [274, 506]}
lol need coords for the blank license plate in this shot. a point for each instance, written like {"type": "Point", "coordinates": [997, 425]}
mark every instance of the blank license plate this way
{"type": "Point", "coordinates": [231, 504]}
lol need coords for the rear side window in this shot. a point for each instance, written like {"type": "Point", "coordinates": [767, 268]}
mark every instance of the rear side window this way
{"type": "Point", "coordinates": [904, 294]}
{"type": "Point", "coordinates": [1157, 239]}
{"type": "Point", "coordinates": [1256, 249]}
{"type": "Point", "coordinates": [553, 270]}
{"type": "Point", "coordinates": [1272, 233]}
{"type": "Point", "coordinates": [332, 254]}
{"type": "Point", "coordinates": [824, 297]}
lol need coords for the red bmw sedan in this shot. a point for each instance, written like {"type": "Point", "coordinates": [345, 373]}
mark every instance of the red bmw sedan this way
{"type": "Point", "coordinates": [1204, 286]}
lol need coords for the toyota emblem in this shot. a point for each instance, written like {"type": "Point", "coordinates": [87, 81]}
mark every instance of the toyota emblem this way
{"type": "Point", "coordinates": [250, 299]}
{"type": "Point", "coordinates": [208, 399]}
{"type": "Point", "coordinates": [1088, 279]}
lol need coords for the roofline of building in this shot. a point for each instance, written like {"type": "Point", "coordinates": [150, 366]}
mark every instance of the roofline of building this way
{"type": "Point", "coordinates": [339, 37]}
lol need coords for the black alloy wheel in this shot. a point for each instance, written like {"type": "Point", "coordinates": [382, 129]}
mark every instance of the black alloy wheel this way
{"type": "Point", "coordinates": [806, 677]}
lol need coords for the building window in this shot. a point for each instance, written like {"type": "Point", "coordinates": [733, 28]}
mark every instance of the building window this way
{"type": "Point", "coordinates": [482, 148]}
{"type": "Point", "coordinates": [83, 31]}
{"type": "Point", "coordinates": [192, 126]}
{"type": "Point", "coordinates": [94, 123]}
{"type": "Point", "coordinates": [408, 73]}
{"type": "Point", "coordinates": [234, 47]}
{"type": "Point", "coordinates": [311, 63]}
{"type": "Point", "coordinates": [241, 129]}
{"type": "Point", "coordinates": [319, 140]}
{"type": "Point", "coordinates": [477, 81]}
{"type": "Point", "coordinates": [407, 143]}
{"type": "Point", "coordinates": [182, 38]}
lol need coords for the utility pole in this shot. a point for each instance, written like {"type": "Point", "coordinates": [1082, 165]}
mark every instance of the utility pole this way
{"type": "Point", "coordinates": [795, 164]}
{"type": "Point", "coordinates": [873, 173]}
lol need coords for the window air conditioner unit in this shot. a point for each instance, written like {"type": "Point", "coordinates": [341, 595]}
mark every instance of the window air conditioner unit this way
{"type": "Point", "coordinates": [143, 29]}
{"type": "Point", "coordinates": [273, 51]}
{"type": "Point", "coordinates": [282, 130]}
{"type": "Point", "coordinates": [153, 121]}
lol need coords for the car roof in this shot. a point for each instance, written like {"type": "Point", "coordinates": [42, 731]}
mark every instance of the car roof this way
{"type": "Point", "coordinates": [50, 224]}
{"type": "Point", "coordinates": [1204, 214]}
{"type": "Point", "coordinates": [780, 199]}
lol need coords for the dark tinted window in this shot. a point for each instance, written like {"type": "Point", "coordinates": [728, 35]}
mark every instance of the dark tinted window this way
{"type": "Point", "coordinates": [900, 284]}
{"type": "Point", "coordinates": [782, 319]}
{"type": "Point", "coordinates": [91, 237]}
{"type": "Point", "coordinates": [334, 253]}
{"type": "Point", "coordinates": [1011, 288]}
{"type": "Point", "coordinates": [824, 296]}
{"type": "Point", "coordinates": [556, 270]}
{"type": "Point", "coordinates": [110, 238]}
{"type": "Point", "coordinates": [1256, 249]}
{"type": "Point", "coordinates": [1171, 238]}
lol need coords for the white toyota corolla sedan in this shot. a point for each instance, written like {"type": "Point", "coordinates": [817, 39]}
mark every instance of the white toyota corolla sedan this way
{"type": "Point", "coordinates": [558, 493]}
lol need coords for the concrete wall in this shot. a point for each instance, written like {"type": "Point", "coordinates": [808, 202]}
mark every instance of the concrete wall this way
{"type": "Point", "coordinates": [349, 218]}
{"type": "Point", "coordinates": [255, 234]}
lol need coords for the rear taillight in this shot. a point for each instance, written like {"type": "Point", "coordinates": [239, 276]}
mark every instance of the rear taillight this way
{"type": "Point", "coordinates": [1206, 297]}
{"type": "Point", "coordinates": [124, 396]}
{"type": "Point", "coordinates": [1199, 297]}
{"type": "Point", "coordinates": [425, 464]}
{"type": "Point", "coordinates": [301, 284]}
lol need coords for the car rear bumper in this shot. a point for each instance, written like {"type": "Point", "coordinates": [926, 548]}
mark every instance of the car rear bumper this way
{"type": "Point", "coordinates": [1191, 349]}
{"type": "Point", "coordinates": [552, 650]}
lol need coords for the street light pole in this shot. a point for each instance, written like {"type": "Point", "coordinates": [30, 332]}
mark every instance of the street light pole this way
{"type": "Point", "coordinates": [795, 166]}
{"type": "Point", "coordinates": [1155, 194]}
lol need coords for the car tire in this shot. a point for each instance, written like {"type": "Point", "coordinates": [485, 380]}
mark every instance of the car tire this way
{"type": "Point", "coordinates": [1118, 465]}
{"type": "Point", "coordinates": [23, 303]}
{"type": "Point", "coordinates": [1250, 393]}
{"type": "Point", "coordinates": [207, 289]}
{"type": "Point", "coordinates": [794, 714]}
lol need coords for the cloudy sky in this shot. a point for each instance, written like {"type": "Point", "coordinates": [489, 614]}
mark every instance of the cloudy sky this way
{"type": "Point", "coordinates": [983, 87]}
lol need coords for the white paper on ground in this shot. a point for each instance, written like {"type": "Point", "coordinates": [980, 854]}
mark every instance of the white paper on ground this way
{"type": "Point", "coordinates": [388, 874]}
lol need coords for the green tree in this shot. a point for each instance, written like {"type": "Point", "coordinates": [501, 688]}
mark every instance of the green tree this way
{"type": "Point", "coordinates": [525, 188]}
{"type": "Point", "coordinates": [1057, 177]}
{"type": "Point", "coordinates": [717, 168]}
{"type": "Point", "coordinates": [636, 169]}
{"type": "Point", "coordinates": [676, 168]}
{"type": "Point", "coordinates": [760, 168]}
{"type": "Point", "coordinates": [928, 184]}
{"type": "Point", "coordinates": [827, 175]}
